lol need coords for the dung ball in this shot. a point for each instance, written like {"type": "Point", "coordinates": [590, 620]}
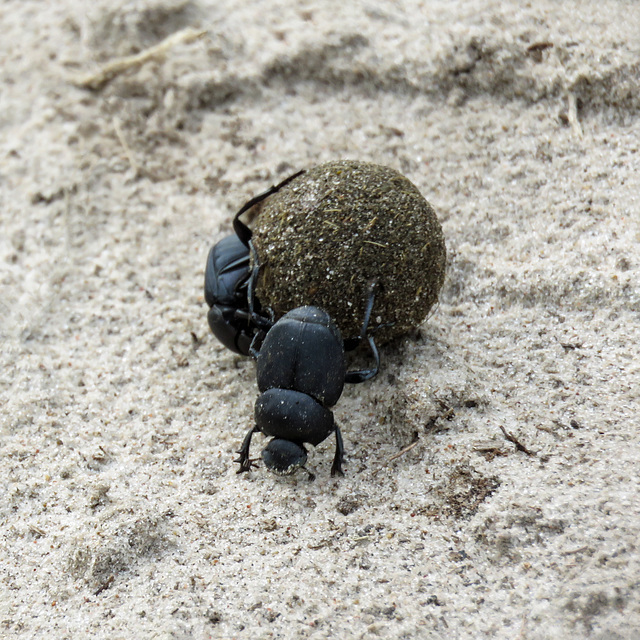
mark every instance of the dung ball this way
{"type": "Point", "coordinates": [328, 233]}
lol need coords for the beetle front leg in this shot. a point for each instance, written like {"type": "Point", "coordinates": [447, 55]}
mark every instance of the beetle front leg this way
{"type": "Point", "coordinates": [338, 459]}
{"type": "Point", "coordinates": [243, 232]}
{"type": "Point", "coordinates": [253, 279]}
{"type": "Point", "coordinates": [245, 462]}
{"type": "Point", "coordinates": [362, 375]}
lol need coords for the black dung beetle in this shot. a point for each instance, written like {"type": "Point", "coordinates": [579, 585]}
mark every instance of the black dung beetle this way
{"type": "Point", "coordinates": [234, 314]}
{"type": "Point", "coordinates": [301, 370]}
{"type": "Point", "coordinates": [225, 290]}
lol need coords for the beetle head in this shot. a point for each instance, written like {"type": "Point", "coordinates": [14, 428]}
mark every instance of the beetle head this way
{"type": "Point", "coordinates": [284, 457]}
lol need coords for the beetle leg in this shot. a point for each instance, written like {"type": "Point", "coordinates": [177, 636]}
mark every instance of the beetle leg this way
{"type": "Point", "coordinates": [362, 375]}
{"type": "Point", "coordinates": [254, 352]}
{"type": "Point", "coordinates": [242, 230]}
{"type": "Point", "coordinates": [253, 279]}
{"type": "Point", "coordinates": [255, 319]}
{"type": "Point", "coordinates": [338, 459]}
{"type": "Point", "coordinates": [259, 321]}
{"type": "Point", "coordinates": [373, 287]}
{"type": "Point", "coordinates": [235, 265]}
{"type": "Point", "coordinates": [245, 462]}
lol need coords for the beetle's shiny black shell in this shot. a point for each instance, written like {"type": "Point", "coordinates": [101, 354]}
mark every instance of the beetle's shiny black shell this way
{"type": "Point", "coordinates": [292, 415]}
{"type": "Point", "coordinates": [304, 351]}
{"type": "Point", "coordinates": [227, 263]}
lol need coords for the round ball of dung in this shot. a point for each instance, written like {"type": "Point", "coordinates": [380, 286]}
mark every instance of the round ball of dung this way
{"type": "Point", "coordinates": [326, 235]}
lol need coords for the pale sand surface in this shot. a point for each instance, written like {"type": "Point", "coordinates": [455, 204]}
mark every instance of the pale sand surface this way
{"type": "Point", "coordinates": [121, 513]}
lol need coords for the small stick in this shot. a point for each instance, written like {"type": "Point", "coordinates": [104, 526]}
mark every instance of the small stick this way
{"type": "Point", "coordinates": [405, 450]}
{"type": "Point", "coordinates": [377, 244]}
{"type": "Point", "coordinates": [519, 446]}
{"type": "Point", "coordinates": [110, 70]}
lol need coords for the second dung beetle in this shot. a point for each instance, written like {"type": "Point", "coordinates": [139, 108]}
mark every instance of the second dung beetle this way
{"type": "Point", "coordinates": [234, 314]}
{"type": "Point", "coordinates": [225, 290]}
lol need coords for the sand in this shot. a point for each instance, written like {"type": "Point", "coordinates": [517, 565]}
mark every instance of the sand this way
{"type": "Point", "coordinates": [491, 486]}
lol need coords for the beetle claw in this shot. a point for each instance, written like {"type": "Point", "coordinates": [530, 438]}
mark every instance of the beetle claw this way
{"type": "Point", "coordinates": [246, 464]}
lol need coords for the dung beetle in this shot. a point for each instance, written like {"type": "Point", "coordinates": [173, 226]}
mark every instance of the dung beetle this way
{"type": "Point", "coordinates": [225, 290]}
{"type": "Point", "coordinates": [301, 371]}
{"type": "Point", "coordinates": [301, 363]}
{"type": "Point", "coordinates": [234, 314]}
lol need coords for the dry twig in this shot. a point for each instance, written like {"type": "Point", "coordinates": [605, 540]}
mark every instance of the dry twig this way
{"type": "Point", "coordinates": [110, 70]}
{"type": "Point", "coordinates": [519, 446]}
{"type": "Point", "coordinates": [403, 451]}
